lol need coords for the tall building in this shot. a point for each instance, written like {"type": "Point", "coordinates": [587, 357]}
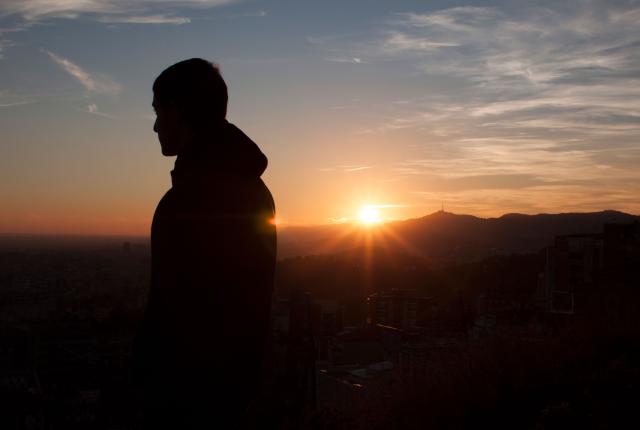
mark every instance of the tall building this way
{"type": "Point", "coordinates": [574, 265]}
{"type": "Point", "coordinates": [401, 309]}
{"type": "Point", "coordinates": [580, 269]}
{"type": "Point", "coordinates": [622, 255]}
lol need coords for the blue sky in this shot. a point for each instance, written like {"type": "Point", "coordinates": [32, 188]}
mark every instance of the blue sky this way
{"type": "Point", "coordinates": [491, 107]}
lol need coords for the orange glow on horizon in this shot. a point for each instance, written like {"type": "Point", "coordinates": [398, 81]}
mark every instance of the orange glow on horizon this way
{"type": "Point", "coordinates": [369, 215]}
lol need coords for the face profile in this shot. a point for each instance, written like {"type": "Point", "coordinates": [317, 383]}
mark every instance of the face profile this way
{"type": "Point", "coordinates": [189, 98]}
{"type": "Point", "coordinates": [169, 127]}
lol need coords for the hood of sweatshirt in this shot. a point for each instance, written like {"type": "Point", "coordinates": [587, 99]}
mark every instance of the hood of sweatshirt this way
{"type": "Point", "coordinates": [223, 152]}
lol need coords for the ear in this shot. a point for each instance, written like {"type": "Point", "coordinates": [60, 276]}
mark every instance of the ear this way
{"type": "Point", "coordinates": [184, 122]}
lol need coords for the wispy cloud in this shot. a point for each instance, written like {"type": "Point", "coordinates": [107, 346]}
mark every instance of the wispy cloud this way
{"type": "Point", "coordinates": [114, 11]}
{"type": "Point", "coordinates": [4, 44]}
{"type": "Point", "coordinates": [400, 42]}
{"type": "Point", "coordinates": [504, 49]}
{"type": "Point", "coordinates": [92, 84]}
{"type": "Point", "coordinates": [538, 68]}
{"type": "Point", "coordinates": [10, 99]}
{"type": "Point", "coordinates": [7, 43]}
{"type": "Point", "coordinates": [11, 104]}
{"type": "Point", "coordinates": [352, 60]}
{"type": "Point", "coordinates": [94, 110]}
{"type": "Point", "coordinates": [355, 168]}
{"type": "Point", "coordinates": [256, 14]}
{"type": "Point", "coordinates": [145, 19]}
{"type": "Point", "coordinates": [347, 168]}
{"type": "Point", "coordinates": [541, 103]}
{"type": "Point", "coordinates": [539, 199]}
{"type": "Point", "coordinates": [459, 19]}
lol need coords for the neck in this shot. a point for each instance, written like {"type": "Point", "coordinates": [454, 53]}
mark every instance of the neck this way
{"type": "Point", "coordinates": [197, 139]}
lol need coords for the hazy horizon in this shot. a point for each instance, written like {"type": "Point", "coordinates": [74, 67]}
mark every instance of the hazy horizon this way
{"type": "Point", "coordinates": [354, 221]}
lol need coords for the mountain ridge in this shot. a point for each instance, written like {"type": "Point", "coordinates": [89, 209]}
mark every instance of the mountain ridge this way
{"type": "Point", "coordinates": [444, 236]}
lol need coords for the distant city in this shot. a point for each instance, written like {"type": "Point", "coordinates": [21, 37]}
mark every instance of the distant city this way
{"type": "Point", "coordinates": [444, 321]}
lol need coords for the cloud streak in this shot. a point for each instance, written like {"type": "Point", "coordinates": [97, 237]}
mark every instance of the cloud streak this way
{"type": "Point", "coordinates": [4, 44]}
{"type": "Point", "coordinates": [90, 82]}
{"type": "Point", "coordinates": [122, 11]}
{"type": "Point", "coordinates": [401, 42]}
{"type": "Point", "coordinates": [540, 102]}
{"type": "Point", "coordinates": [352, 60]}
{"type": "Point", "coordinates": [94, 110]}
{"type": "Point", "coordinates": [11, 104]}
{"type": "Point", "coordinates": [348, 168]}
{"type": "Point", "coordinates": [146, 19]}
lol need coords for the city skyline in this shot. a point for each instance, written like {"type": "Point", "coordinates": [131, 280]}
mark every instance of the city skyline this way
{"type": "Point", "coordinates": [490, 107]}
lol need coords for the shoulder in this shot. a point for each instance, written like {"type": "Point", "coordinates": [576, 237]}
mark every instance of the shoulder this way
{"type": "Point", "coordinates": [238, 195]}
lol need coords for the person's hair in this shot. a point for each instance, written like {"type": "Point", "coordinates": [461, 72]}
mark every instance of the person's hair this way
{"type": "Point", "coordinates": [196, 88]}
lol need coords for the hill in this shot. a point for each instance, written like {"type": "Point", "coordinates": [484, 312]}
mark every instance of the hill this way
{"type": "Point", "coordinates": [444, 237]}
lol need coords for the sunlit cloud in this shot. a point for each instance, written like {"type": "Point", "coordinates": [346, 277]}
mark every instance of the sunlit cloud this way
{"type": "Point", "coordinates": [348, 168]}
{"type": "Point", "coordinates": [539, 199]}
{"type": "Point", "coordinates": [91, 83]}
{"type": "Point", "coordinates": [526, 101]}
{"type": "Point", "coordinates": [459, 19]}
{"type": "Point", "coordinates": [579, 61]}
{"type": "Point", "coordinates": [94, 110]}
{"type": "Point", "coordinates": [355, 168]}
{"type": "Point", "coordinates": [256, 14]}
{"type": "Point", "coordinates": [146, 19]}
{"type": "Point", "coordinates": [400, 42]}
{"type": "Point", "coordinates": [352, 60]}
{"type": "Point", "coordinates": [34, 10]}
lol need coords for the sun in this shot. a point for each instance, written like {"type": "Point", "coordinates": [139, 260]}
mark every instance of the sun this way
{"type": "Point", "coordinates": [369, 215]}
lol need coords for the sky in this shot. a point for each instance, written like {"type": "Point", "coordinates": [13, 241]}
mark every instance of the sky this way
{"type": "Point", "coordinates": [485, 107]}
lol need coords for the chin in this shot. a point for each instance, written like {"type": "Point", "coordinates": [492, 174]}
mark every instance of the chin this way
{"type": "Point", "coordinates": [168, 151]}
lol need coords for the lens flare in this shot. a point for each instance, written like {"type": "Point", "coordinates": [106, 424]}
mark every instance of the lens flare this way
{"type": "Point", "coordinates": [369, 215]}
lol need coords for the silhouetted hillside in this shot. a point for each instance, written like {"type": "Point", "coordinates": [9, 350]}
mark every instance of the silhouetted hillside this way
{"type": "Point", "coordinates": [444, 237]}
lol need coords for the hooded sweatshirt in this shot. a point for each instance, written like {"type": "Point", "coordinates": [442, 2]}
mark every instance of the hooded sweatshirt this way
{"type": "Point", "coordinates": [213, 253]}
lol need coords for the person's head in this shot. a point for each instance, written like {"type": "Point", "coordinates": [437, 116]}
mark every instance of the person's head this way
{"type": "Point", "coordinates": [188, 97]}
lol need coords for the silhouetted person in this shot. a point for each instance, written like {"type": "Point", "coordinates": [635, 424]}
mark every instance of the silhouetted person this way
{"type": "Point", "coordinates": [199, 349]}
